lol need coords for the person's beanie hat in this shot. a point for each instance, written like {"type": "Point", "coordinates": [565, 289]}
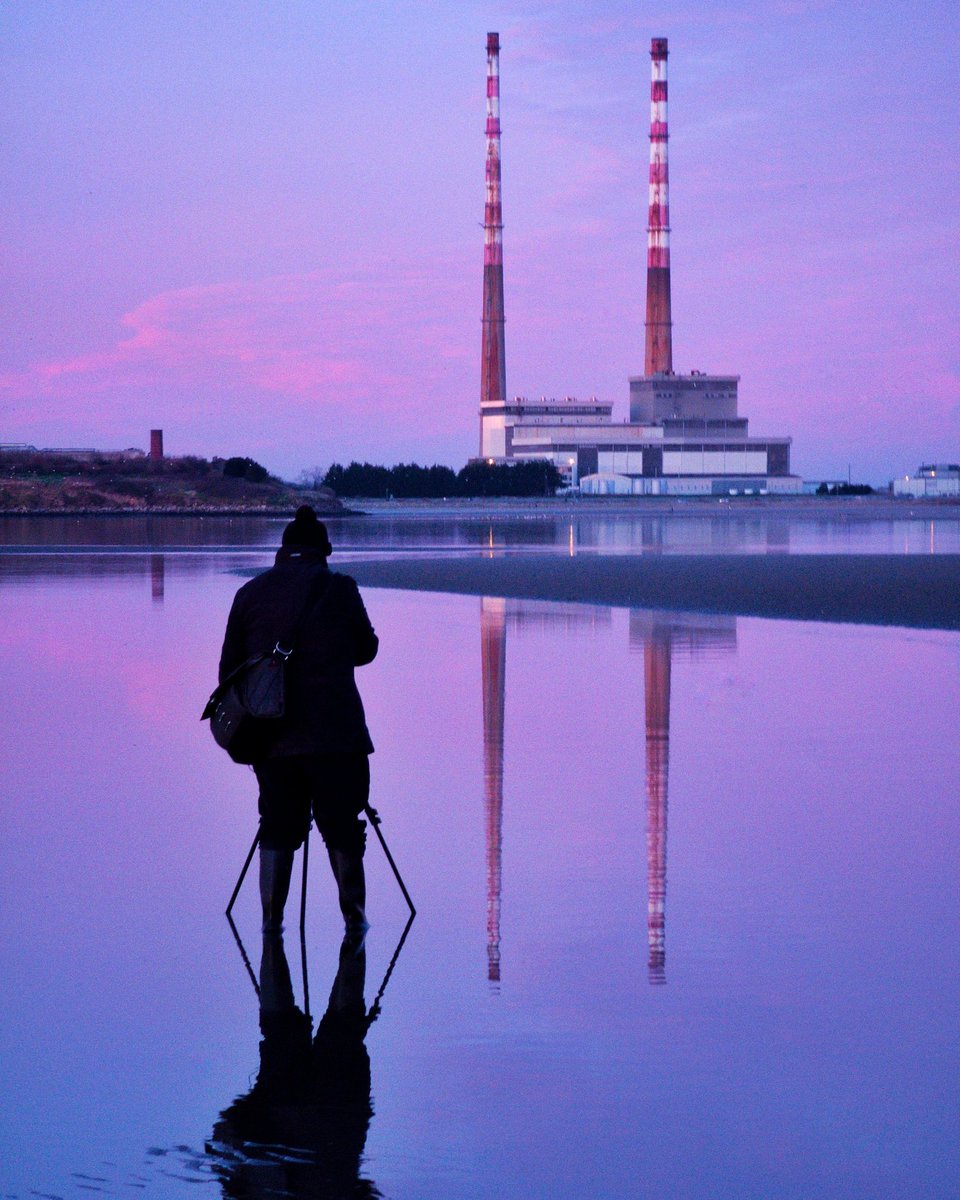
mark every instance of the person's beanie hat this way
{"type": "Point", "coordinates": [306, 530]}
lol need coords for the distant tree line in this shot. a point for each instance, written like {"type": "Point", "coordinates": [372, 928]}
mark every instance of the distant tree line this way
{"type": "Point", "coordinates": [534, 477]}
{"type": "Point", "coordinates": [408, 481]}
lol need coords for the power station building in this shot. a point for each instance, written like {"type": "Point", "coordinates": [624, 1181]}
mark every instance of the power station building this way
{"type": "Point", "coordinates": [684, 435]}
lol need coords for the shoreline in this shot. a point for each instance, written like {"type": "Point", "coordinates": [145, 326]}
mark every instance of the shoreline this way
{"type": "Point", "coordinates": [827, 508]}
{"type": "Point", "coordinates": [821, 508]}
{"type": "Point", "coordinates": [913, 591]}
{"type": "Point", "coordinates": [199, 513]}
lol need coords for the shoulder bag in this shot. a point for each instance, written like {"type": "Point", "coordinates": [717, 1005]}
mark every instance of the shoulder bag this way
{"type": "Point", "coordinates": [241, 708]}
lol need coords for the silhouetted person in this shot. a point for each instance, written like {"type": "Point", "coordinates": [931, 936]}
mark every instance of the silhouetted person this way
{"type": "Point", "coordinates": [301, 1129]}
{"type": "Point", "coordinates": [316, 756]}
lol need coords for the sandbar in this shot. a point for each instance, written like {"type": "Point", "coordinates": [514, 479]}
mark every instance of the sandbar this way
{"type": "Point", "coordinates": [916, 591]}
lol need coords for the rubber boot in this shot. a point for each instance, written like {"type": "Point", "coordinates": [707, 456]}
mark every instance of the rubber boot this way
{"type": "Point", "coordinates": [346, 995]}
{"type": "Point", "coordinates": [276, 988]}
{"type": "Point", "coordinates": [352, 885]}
{"type": "Point", "coordinates": [275, 869]}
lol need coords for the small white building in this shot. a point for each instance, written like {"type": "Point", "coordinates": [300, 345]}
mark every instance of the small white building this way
{"type": "Point", "coordinates": [624, 485]}
{"type": "Point", "coordinates": [930, 481]}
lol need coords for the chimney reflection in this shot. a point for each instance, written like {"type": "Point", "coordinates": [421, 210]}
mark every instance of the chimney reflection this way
{"type": "Point", "coordinates": [493, 659]}
{"type": "Point", "coordinates": [661, 635]}
{"type": "Point", "coordinates": [656, 692]}
{"type": "Point", "coordinates": [495, 616]}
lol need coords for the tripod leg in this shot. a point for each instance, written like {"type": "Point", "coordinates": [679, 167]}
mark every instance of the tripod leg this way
{"type": "Point", "coordinates": [303, 970]}
{"type": "Point", "coordinates": [243, 873]}
{"type": "Point", "coordinates": [375, 822]}
{"type": "Point", "coordinates": [303, 885]}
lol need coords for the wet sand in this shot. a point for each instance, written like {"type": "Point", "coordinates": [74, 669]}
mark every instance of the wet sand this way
{"type": "Point", "coordinates": [909, 590]}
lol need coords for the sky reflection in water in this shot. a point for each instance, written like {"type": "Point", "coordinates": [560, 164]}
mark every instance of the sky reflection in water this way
{"type": "Point", "coordinates": [804, 527]}
{"type": "Point", "coordinates": [686, 889]}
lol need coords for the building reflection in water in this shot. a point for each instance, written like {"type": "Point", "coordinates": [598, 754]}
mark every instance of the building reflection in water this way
{"type": "Point", "coordinates": [660, 636]}
{"type": "Point", "coordinates": [157, 576]}
{"type": "Point", "coordinates": [302, 1128]}
{"type": "Point", "coordinates": [493, 661]}
{"type": "Point", "coordinates": [656, 699]}
{"type": "Point", "coordinates": [495, 616]}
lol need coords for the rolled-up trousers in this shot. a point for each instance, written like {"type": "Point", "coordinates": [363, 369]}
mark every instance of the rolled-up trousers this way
{"type": "Point", "coordinates": [333, 788]}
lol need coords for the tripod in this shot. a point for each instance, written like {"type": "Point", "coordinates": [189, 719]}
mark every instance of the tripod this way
{"type": "Point", "coordinates": [374, 817]}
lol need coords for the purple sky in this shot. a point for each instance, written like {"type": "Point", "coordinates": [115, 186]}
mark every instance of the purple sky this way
{"type": "Point", "coordinates": [258, 226]}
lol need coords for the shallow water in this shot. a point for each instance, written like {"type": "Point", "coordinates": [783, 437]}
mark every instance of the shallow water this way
{"type": "Point", "coordinates": [687, 892]}
{"type": "Point", "coordinates": [690, 530]}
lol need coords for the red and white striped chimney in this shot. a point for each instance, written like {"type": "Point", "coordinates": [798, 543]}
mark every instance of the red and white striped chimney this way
{"type": "Point", "coordinates": [493, 376]}
{"type": "Point", "coordinates": [659, 343]}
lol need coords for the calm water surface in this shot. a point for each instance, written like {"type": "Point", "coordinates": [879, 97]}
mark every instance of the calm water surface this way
{"type": "Point", "coordinates": [838, 530]}
{"type": "Point", "coordinates": [687, 891]}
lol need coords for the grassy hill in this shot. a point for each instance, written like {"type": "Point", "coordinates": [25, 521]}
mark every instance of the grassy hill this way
{"type": "Point", "coordinates": [35, 481]}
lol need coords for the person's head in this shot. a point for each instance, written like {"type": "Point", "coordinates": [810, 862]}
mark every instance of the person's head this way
{"type": "Point", "coordinates": [305, 532]}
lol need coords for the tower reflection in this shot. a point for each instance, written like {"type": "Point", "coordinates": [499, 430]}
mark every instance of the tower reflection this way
{"type": "Point", "coordinates": [495, 615]}
{"type": "Point", "coordinates": [493, 663]}
{"type": "Point", "coordinates": [662, 637]}
{"type": "Point", "coordinates": [656, 699]}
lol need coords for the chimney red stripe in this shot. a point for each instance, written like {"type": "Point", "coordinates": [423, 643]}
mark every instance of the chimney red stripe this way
{"type": "Point", "coordinates": [658, 353]}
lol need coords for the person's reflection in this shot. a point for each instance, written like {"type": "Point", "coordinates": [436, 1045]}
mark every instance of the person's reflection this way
{"type": "Point", "coordinates": [301, 1129]}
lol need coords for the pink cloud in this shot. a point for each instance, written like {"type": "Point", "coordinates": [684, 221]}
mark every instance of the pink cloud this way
{"type": "Point", "coordinates": [359, 346]}
{"type": "Point", "coordinates": [259, 328]}
{"type": "Point", "coordinates": [292, 333]}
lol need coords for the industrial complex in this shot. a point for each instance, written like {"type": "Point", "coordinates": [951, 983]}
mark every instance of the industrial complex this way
{"type": "Point", "coordinates": [684, 435]}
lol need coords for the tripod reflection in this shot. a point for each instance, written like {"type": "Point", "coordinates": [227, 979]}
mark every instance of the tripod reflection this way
{"type": "Point", "coordinates": [301, 1129]}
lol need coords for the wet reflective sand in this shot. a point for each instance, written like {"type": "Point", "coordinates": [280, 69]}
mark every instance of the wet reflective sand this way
{"type": "Point", "coordinates": [686, 888]}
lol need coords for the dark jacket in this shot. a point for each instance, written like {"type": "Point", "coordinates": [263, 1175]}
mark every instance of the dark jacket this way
{"type": "Point", "coordinates": [324, 713]}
